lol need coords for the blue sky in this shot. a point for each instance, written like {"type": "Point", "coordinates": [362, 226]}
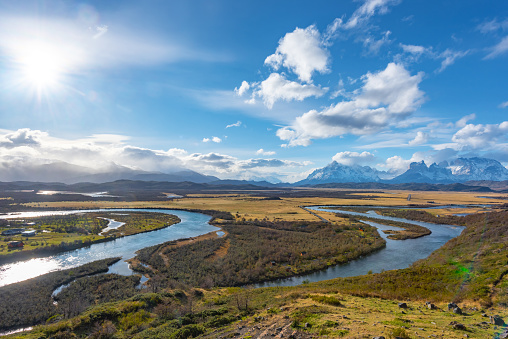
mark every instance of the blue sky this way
{"type": "Point", "coordinates": [264, 89]}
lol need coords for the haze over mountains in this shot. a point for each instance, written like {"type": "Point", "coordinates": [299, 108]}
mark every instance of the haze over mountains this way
{"type": "Point", "coordinates": [460, 170]}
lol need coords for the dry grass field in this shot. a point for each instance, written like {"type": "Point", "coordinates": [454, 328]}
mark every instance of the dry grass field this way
{"type": "Point", "coordinates": [254, 207]}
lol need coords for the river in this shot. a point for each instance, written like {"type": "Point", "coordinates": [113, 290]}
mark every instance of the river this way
{"type": "Point", "coordinates": [191, 225]}
{"type": "Point", "coordinates": [396, 255]}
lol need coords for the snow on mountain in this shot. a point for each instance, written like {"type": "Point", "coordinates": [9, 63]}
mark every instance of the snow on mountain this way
{"type": "Point", "coordinates": [335, 172]}
{"type": "Point", "coordinates": [478, 169]}
{"type": "Point", "coordinates": [459, 170]}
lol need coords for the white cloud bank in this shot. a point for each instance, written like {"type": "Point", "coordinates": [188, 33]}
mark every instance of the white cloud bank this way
{"type": "Point", "coordinates": [353, 158]}
{"type": "Point", "coordinates": [387, 96]}
{"type": "Point", "coordinates": [25, 150]}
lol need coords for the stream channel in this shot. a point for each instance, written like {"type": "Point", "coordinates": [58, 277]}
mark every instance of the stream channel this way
{"type": "Point", "coordinates": [397, 253]}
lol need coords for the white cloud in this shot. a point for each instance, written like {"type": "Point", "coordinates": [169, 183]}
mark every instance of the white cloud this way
{"type": "Point", "coordinates": [499, 49]}
{"type": "Point", "coordinates": [80, 50]}
{"type": "Point", "coordinates": [419, 139]}
{"type": "Point", "coordinates": [243, 88]}
{"type": "Point", "coordinates": [21, 137]}
{"type": "Point", "coordinates": [387, 96]}
{"type": "Point", "coordinates": [413, 49]}
{"type": "Point", "coordinates": [92, 154]}
{"type": "Point", "coordinates": [213, 139]}
{"type": "Point", "coordinates": [503, 104]}
{"type": "Point", "coordinates": [101, 30]}
{"type": "Point", "coordinates": [277, 87]}
{"type": "Point", "coordinates": [353, 158]}
{"type": "Point", "coordinates": [367, 10]}
{"type": "Point", "coordinates": [236, 124]}
{"type": "Point", "coordinates": [449, 57]}
{"type": "Point", "coordinates": [302, 52]}
{"type": "Point", "coordinates": [480, 136]}
{"type": "Point", "coordinates": [263, 152]}
{"type": "Point", "coordinates": [462, 122]}
{"type": "Point", "coordinates": [492, 26]}
{"type": "Point", "coordinates": [373, 46]}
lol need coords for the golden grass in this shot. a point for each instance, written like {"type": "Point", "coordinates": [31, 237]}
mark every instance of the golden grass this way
{"type": "Point", "coordinates": [251, 207]}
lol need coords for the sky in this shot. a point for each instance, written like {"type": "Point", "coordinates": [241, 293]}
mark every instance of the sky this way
{"type": "Point", "coordinates": [252, 89]}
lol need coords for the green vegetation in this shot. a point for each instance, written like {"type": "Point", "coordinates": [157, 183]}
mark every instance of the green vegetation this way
{"type": "Point", "coordinates": [472, 266]}
{"type": "Point", "coordinates": [58, 233]}
{"type": "Point", "coordinates": [260, 251]}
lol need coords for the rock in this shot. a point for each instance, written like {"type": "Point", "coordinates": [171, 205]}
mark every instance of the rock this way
{"type": "Point", "coordinates": [402, 305]}
{"type": "Point", "coordinates": [457, 310]}
{"type": "Point", "coordinates": [457, 326]}
{"type": "Point", "coordinates": [484, 315]}
{"type": "Point", "coordinates": [451, 306]}
{"type": "Point", "coordinates": [496, 320]}
{"type": "Point", "coordinates": [307, 325]}
{"type": "Point", "coordinates": [380, 337]}
{"type": "Point", "coordinates": [431, 306]}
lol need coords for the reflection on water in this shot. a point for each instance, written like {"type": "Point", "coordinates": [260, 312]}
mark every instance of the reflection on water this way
{"type": "Point", "coordinates": [191, 225]}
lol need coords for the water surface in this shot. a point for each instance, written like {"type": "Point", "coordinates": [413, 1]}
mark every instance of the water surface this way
{"type": "Point", "coordinates": [191, 225]}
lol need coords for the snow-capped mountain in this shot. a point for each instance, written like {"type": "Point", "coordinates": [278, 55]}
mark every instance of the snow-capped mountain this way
{"type": "Point", "coordinates": [419, 172]}
{"type": "Point", "coordinates": [459, 170]}
{"type": "Point", "coordinates": [478, 169]}
{"type": "Point", "coordinates": [335, 172]}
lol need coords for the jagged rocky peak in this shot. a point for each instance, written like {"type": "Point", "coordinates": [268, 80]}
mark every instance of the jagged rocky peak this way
{"type": "Point", "coordinates": [336, 172]}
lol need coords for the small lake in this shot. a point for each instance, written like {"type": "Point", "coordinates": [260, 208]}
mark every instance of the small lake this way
{"type": "Point", "coordinates": [396, 255]}
{"type": "Point", "coordinates": [191, 225]}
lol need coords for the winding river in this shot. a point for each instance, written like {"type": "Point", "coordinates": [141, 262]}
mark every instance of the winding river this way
{"type": "Point", "coordinates": [191, 225]}
{"type": "Point", "coordinates": [397, 253]}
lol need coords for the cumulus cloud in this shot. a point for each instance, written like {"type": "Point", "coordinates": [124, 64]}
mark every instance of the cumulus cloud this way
{"type": "Point", "coordinates": [499, 49]}
{"type": "Point", "coordinates": [353, 158]}
{"type": "Point", "coordinates": [480, 136]}
{"type": "Point", "coordinates": [243, 88]}
{"type": "Point", "coordinates": [302, 52]}
{"type": "Point", "coordinates": [387, 96]}
{"type": "Point", "coordinates": [263, 152]}
{"type": "Point", "coordinates": [419, 139]}
{"type": "Point", "coordinates": [21, 137]}
{"type": "Point", "coordinates": [277, 87]}
{"type": "Point", "coordinates": [236, 124]}
{"type": "Point", "coordinates": [213, 139]}
{"type": "Point", "coordinates": [43, 157]}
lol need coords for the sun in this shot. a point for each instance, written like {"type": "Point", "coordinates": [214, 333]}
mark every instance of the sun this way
{"type": "Point", "coordinates": [41, 66]}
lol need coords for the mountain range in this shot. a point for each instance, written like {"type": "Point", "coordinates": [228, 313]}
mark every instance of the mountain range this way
{"type": "Point", "coordinates": [457, 171]}
{"type": "Point", "coordinates": [460, 170]}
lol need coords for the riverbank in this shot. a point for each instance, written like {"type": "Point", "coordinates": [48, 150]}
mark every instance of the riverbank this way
{"type": "Point", "coordinates": [51, 243]}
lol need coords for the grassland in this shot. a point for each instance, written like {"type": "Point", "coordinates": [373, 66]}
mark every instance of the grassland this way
{"type": "Point", "coordinates": [471, 270]}
{"type": "Point", "coordinates": [258, 207]}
